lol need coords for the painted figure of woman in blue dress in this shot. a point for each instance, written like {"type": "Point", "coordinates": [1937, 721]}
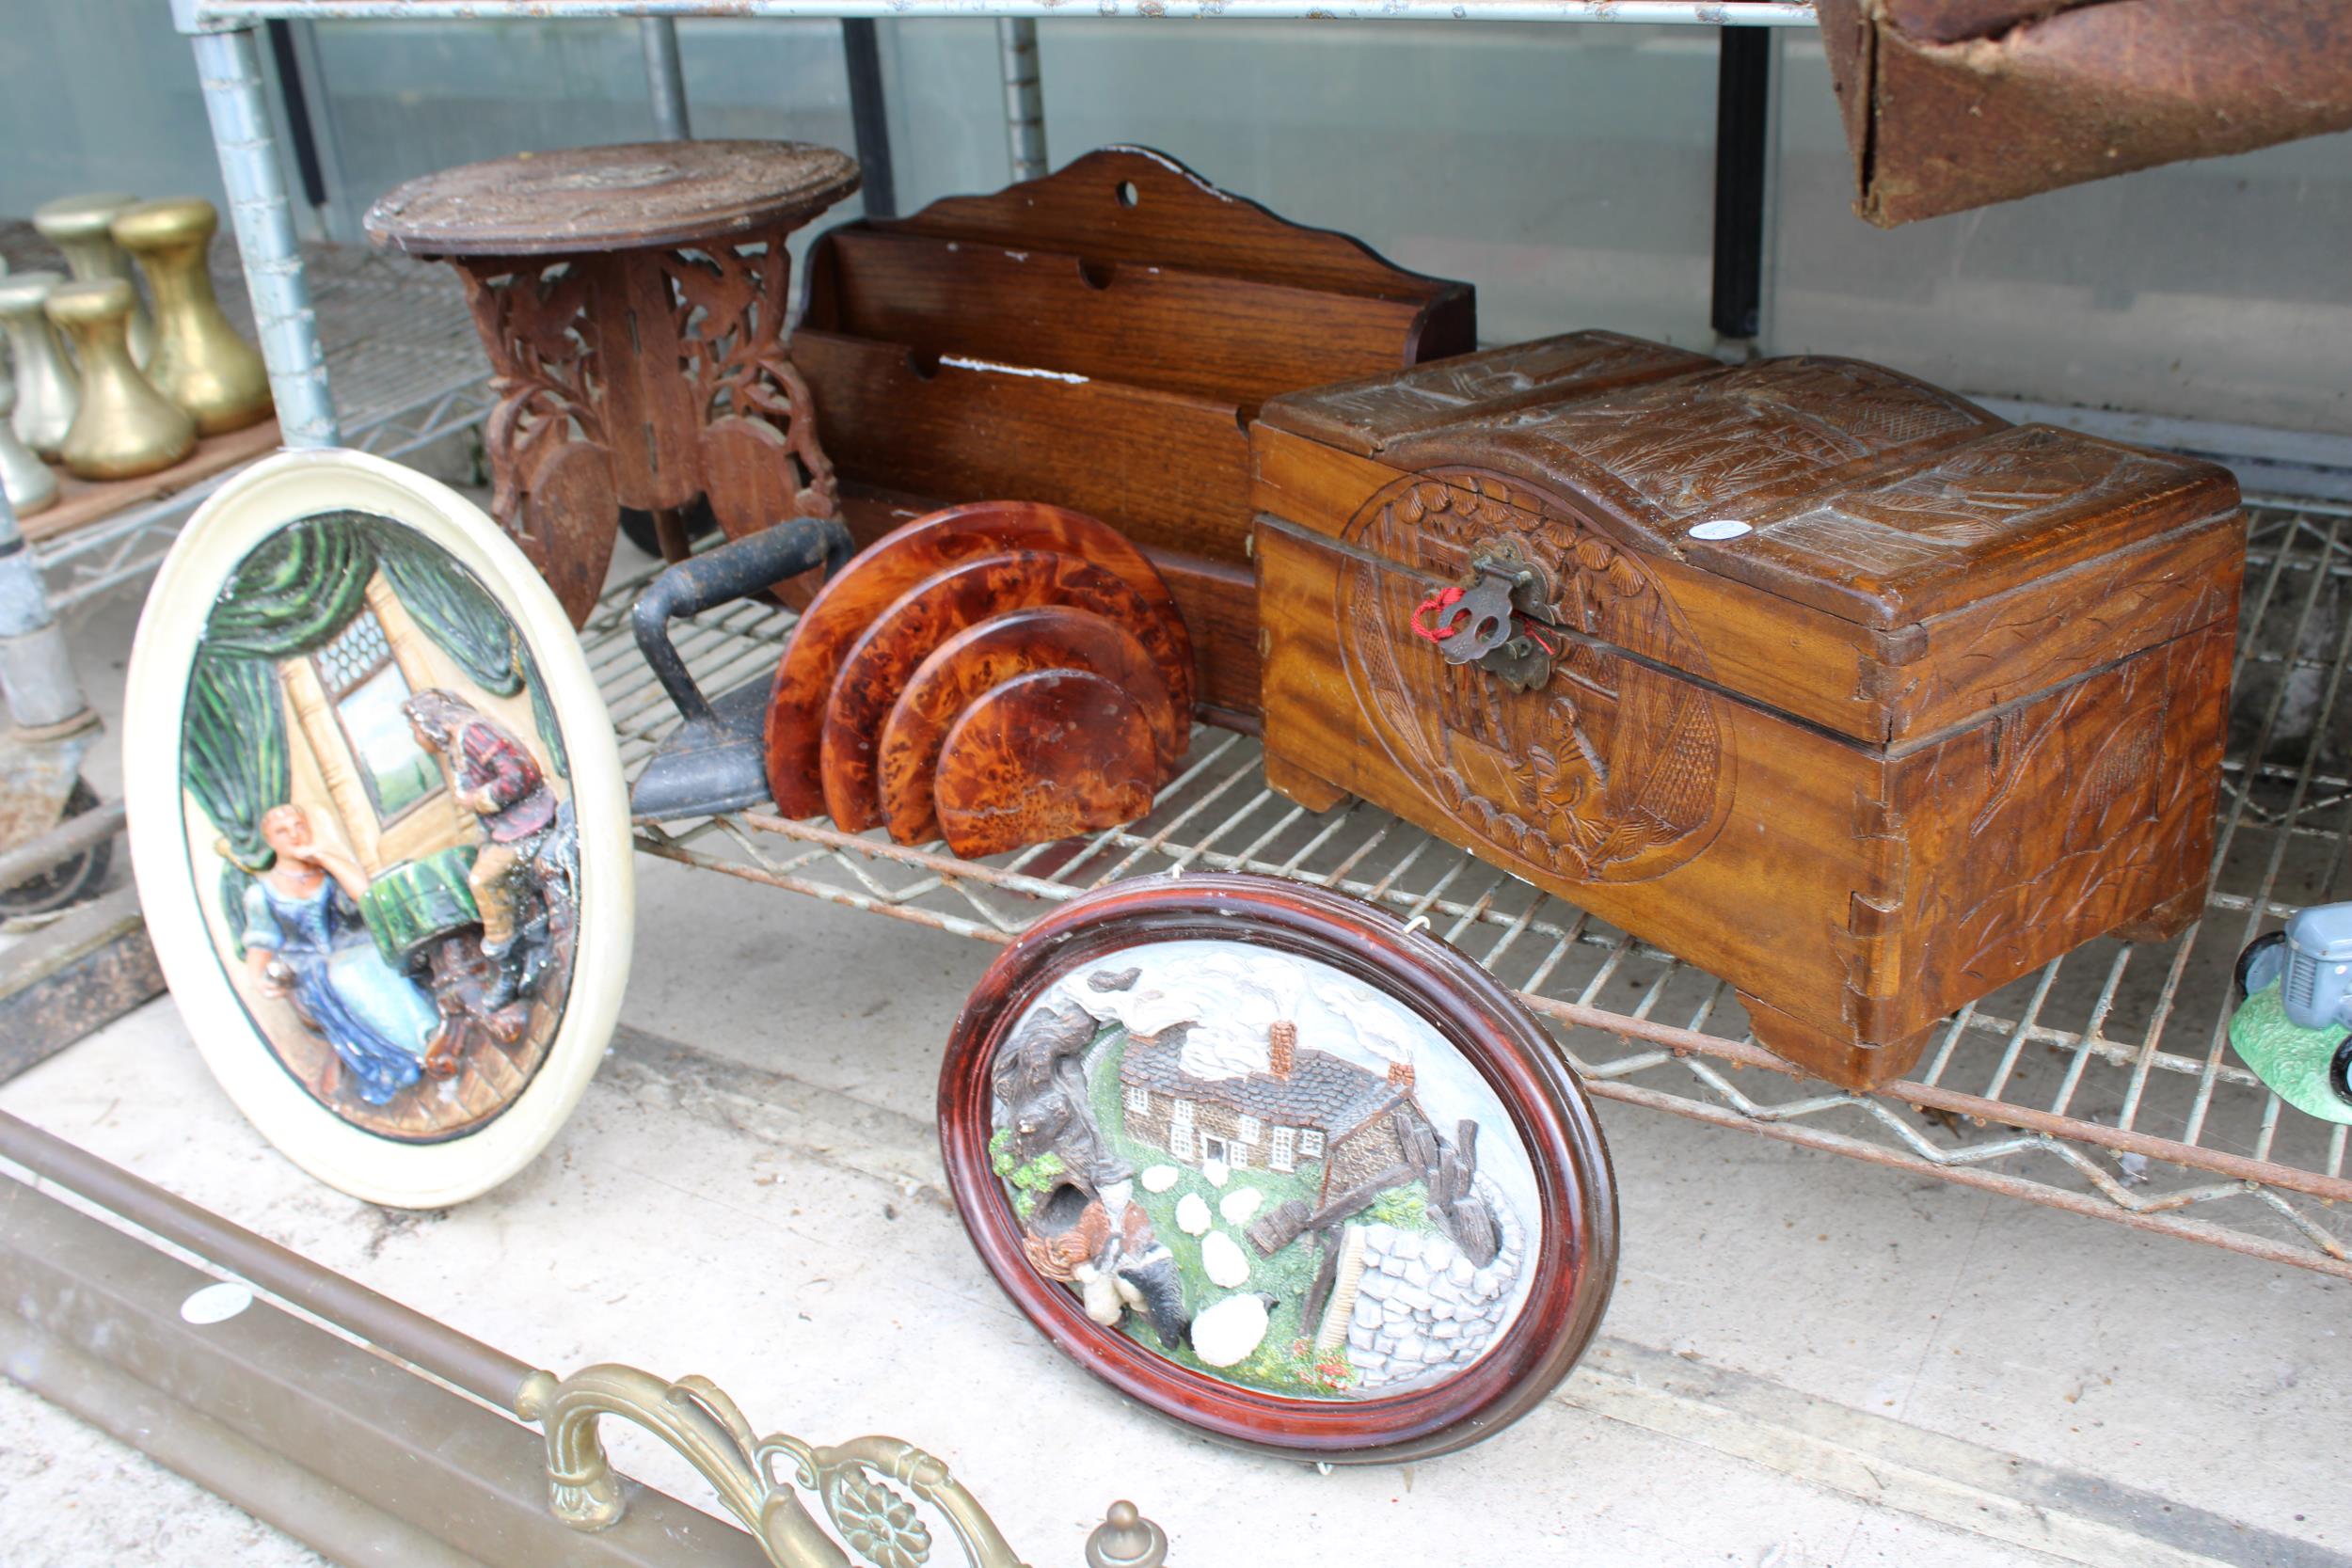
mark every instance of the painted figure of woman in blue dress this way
{"type": "Point", "coordinates": [304, 939]}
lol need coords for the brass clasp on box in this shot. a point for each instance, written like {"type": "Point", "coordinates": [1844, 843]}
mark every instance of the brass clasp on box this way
{"type": "Point", "coordinates": [1494, 621]}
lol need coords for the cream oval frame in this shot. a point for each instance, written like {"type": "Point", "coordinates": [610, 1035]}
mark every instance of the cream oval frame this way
{"type": "Point", "coordinates": [247, 509]}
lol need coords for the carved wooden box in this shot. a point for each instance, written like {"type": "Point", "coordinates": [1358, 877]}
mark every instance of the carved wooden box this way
{"type": "Point", "coordinates": [1825, 680]}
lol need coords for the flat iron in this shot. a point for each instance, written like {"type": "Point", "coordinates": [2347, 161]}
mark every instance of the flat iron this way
{"type": "Point", "coordinates": [717, 759]}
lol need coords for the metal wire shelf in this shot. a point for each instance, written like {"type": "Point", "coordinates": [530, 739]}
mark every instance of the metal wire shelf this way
{"type": "Point", "coordinates": [2101, 1085]}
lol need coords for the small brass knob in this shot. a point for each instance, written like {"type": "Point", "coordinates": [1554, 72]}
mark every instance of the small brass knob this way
{"type": "Point", "coordinates": [1125, 1539]}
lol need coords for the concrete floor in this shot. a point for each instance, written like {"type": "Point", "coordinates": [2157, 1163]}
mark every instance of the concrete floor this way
{"type": "Point", "coordinates": [1808, 1361]}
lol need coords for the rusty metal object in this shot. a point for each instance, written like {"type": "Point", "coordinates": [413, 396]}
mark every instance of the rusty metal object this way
{"type": "Point", "coordinates": [1951, 105]}
{"type": "Point", "coordinates": [83, 827]}
{"type": "Point", "coordinates": [39, 780]}
{"type": "Point", "coordinates": [66, 865]}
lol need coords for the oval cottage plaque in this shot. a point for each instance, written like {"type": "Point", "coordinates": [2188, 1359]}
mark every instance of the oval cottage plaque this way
{"type": "Point", "coordinates": [1267, 1160]}
{"type": "Point", "coordinates": [378, 825]}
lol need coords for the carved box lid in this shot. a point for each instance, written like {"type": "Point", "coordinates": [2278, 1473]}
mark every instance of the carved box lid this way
{"type": "Point", "coordinates": [1854, 489]}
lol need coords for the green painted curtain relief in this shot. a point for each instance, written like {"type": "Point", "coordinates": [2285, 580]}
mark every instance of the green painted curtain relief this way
{"type": "Point", "coordinates": [460, 617]}
{"type": "Point", "coordinates": [233, 756]}
{"type": "Point", "coordinates": [296, 590]}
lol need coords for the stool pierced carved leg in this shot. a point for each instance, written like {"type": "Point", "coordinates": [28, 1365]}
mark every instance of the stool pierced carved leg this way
{"type": "Point", "coordinates": [643, 379]}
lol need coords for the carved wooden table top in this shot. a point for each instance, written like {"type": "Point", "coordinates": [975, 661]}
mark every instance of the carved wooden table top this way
{"type": "Point", "coordinates": [632, 301]}
{"type": "Point", "coordinates": [599, 198]}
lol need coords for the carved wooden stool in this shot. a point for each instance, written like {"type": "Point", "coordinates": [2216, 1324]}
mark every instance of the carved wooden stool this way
{"type": "Point", "coordinates": [632, 300]}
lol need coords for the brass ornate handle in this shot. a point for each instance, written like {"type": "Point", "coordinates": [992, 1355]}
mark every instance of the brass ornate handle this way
{"type": "Point", "coordinates": [857, 1481]}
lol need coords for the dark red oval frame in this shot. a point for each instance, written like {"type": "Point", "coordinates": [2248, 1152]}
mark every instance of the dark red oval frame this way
{"type": "Point", "coordinates": [1574, 1267]}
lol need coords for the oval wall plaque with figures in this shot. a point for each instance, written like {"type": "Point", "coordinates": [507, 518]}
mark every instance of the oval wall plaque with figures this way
{"type": "Point", "coordinates": [1279, 1168]}
{"type": "Point", "coordinates": [379, 827]}
{"type": "Point", "coordinates": [1614, 771]}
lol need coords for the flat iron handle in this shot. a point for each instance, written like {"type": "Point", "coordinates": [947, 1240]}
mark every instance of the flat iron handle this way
{"type": "Point", "coordinates": [733, 571]}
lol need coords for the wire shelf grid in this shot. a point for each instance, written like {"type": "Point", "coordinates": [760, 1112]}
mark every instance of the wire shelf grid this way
{"type": "Point", "coordinates": [2101, 1084]}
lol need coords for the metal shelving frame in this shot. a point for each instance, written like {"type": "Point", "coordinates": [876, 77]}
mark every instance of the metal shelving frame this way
{"type": "Point", "coordinates": [2101, 1084]}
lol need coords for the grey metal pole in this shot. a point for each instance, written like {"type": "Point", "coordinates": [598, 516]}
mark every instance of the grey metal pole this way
{"type": "Point", "coordinates": [37, 677]}
{"type": "Point", "coordinates": [665, 78]}
{"type": "Point", "coordinates": [228, 68]}
{"type": "Point", "coordinates": [1025, 102]}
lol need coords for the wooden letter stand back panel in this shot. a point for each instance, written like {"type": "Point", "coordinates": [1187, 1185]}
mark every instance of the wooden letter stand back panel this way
{"type": "Point", "coordinates": [1861, 698]}
{"type": "Point", "coordinates": [1100, 339]}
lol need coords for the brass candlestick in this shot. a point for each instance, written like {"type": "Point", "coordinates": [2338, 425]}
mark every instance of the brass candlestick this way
{"type": "Point", "coordinates": [125, 427]}
{"type": "Point", "coordinates": [199, 362]}
{"type": "Point", "coordinates": [26, 479]}
{"type": "Point", "coordinates": [47, 391]}
{"type": "Point", "coordinates": [81, 227]}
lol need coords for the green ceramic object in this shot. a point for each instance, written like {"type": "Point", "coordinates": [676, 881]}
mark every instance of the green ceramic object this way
{"type": "Point", "coordinates": [2293, 1061]}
